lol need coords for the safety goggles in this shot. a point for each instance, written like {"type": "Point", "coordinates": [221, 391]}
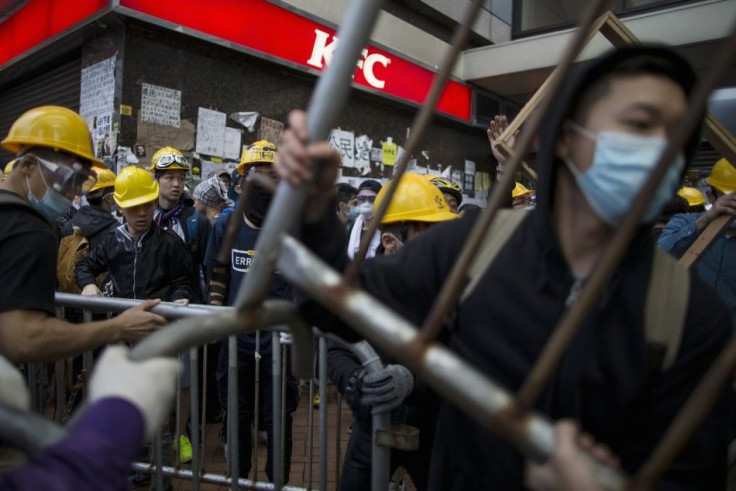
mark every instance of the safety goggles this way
{"type": "Point", "coordinates": [73, 179]}
{"type": "Point", "coordinates": [166, 161]}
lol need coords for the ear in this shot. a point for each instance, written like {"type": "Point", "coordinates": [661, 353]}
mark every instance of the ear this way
{"type": "Point", "coordinates": [389, 243]}
{"type": "Point", "coordinates": [27, 164]}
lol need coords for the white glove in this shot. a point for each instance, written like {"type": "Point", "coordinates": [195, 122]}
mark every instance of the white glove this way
{"type": "Point", "coordinates": [13, 390]}
{"type": "Point", "coordinates": [148, 385]}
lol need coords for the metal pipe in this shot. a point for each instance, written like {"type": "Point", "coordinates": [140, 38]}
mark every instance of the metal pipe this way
{"type": "Point", "coordinates": [87, 356]}
{"type": "Point", "coordinates": [212, 478]}
{"type": "Point", "coordinates": [323, 111]}
{"type": "Point", "coordinates": [158, 462]}
{"type": "Point", "coordinates": [456, 380]}
{"type": "Point", "coordinates": [322, 414]}
{"type": "Point", "coordinates": [28, 431]}
{"type": "Point", "coordinates": [232, 410]}
{"type": "Point", "coordinates": [256, 403]}
{"type": "Point", "coordinates": [282, 411]}
{"type": "Point", "coordinates": [457, 279]}
{"type": "Point", "coordinates": [177, 416]}
{"type": "Point", "coordinates": [170, 310]}
{"type": "Point", "coordinates": [419, 127]}
{"type": "Point", "coordinates": [276, 402]}
{"type": "Point", "coordinates": [203, 421]}
{"type": "Point", "coordinates": [310, 434]}
{"type": "Point", "coordinates": [573, 317]}
{"type": "Point", "coordinates": [194, 414]}
{"type": "Point", "coordinates": [59, 368]}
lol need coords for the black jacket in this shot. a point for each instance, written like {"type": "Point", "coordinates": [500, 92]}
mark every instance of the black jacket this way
{"type": "Point", "coordinates": [94, 222]}
{"type": "Point", "coordinates": [603, 380]}
{"type": "Point", "coordinates": [158, 266]}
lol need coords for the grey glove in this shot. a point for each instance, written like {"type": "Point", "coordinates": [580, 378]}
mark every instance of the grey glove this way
{"type": "Point", "coordinates": [386, 389]}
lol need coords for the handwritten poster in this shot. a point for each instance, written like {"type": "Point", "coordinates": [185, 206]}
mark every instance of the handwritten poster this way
{"type": "Point", "coordinates": [344, 142]}
{"type": "Point", "coordinates": [390, 151]}
{"type": "Point", "coordinates": [271, 130]}
{"type": "Point", "coordinates": [211, 132]}
{"type": "Point", "coordinates": [232, 144]}
{"type": "Point", "coordinates": [97, 94]}
{"type": "Point", "coordinates": [363, 144]}
{"type": "Point", "coordinates": [160, 105]}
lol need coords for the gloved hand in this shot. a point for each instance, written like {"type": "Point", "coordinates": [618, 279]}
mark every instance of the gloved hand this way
{"type": "Point", "coordinates": [13, 390]}
{"type": "Point", "coordinates": [148, 385]}
{"type": "Point", "coordinates": [386, 389]}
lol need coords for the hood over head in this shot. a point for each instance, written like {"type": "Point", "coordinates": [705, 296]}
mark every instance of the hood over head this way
{"type": "Point", "coordinates": [580, 80]}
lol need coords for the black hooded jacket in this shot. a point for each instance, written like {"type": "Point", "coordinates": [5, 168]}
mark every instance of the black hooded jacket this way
{"type": "Point", "coordinates": [603, 380]}
{"type": "Point", "coordinates": [94, 222]}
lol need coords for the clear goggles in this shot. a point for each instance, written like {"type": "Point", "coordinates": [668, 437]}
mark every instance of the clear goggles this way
{"type": "Point", "coordinates": [67, 180]}
{"type": "Point", "coordinates": [166, 161]}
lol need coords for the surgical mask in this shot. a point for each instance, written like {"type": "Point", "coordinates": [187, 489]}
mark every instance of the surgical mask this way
{"type": "Point", "coordinates": [366, 209]}
{"type": "Point", "coordinates": [353, 213]}
{"type": "Point", "coordinates": [621, 166]}
{"type": "Point", "coordinates": [52, 204]}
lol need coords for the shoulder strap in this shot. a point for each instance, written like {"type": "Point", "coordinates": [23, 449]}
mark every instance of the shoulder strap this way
{"type": "Point", "coordinates": [500, 231]}
{"type": "Point", "coordinates": [666, 308]}
{"type": "Point", "coordinates": [192, 228]}
{"type": "Point", "coordinates": [12, 199]}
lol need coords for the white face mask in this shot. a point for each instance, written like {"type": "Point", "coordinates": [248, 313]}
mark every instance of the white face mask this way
{"type": "Point", "coordinates": [621, 166]}
{"type": "Point", "coordinates": [366, 209]}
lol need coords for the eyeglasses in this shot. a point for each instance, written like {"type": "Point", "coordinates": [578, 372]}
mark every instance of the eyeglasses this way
{"type": "Point", "coordinates": [166, 161]}
{"type": "Point", "coordinates": [367, 198]}
{"type": "Point", "coordinates": [74, 179]}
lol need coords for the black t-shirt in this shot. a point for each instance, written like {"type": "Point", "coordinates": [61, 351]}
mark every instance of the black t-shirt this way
{"type": "Point", "coordinates": [28, 251]}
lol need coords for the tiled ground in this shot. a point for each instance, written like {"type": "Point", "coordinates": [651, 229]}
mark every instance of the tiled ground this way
{"type": "Point", "coordinates": [215, 458]}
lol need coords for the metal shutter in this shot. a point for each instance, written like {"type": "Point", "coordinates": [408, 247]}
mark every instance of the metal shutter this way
{"type": "Point", "coordinates": [59, 86]}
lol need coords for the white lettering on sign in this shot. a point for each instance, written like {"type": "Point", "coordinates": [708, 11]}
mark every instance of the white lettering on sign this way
{"type": "Point", "coordinates": [242, 260]}
{"type": "Point", "coordinates": [322, 55]}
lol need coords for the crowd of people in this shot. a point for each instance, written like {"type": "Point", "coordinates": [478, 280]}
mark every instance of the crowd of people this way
{"type": "Point", "coordinates": [148, 238]}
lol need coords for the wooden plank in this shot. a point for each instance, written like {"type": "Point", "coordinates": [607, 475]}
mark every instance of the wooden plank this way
{"type": "Point", "coordinates": [506, 150]}
{"type": "Point", "coordinates": [721, 139]}
{"type": "Point", "coordinates": [705, 240]}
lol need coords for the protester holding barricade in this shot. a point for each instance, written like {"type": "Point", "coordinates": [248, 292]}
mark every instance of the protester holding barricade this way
{"type": "Point", "coordinates": [254, 351]}
{"type": "Point", "coordinates": [615, 379]}
{"type": "Point", "coordinates": [177, 213]}
{"type": "Point", "coordinates": [54, 163]}
{"type": "Point", "coordinates": [717, 267]}
{"type": "Point", "coordinates": [128, 403]}
{"type": "Point", "coordinates": [417, 205]}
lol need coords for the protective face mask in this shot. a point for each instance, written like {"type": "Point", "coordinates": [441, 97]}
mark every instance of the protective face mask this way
{"type": "Point", "coordinates": [366, 209]}
{"type": "Point", "coordinates": [621, 165]}
{"type": "Point", "coordinates": [258, 202]}
{"type": "Point", "coordinates": [353, 213]}
{"type": "Point", "coordinates": [52, 204]}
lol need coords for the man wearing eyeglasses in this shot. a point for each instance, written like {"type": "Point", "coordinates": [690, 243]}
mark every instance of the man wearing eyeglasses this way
{"type": "Point", "coordinates": [54, 163]}
{"type": "Point", "coordinates": [176, 211]}
{"type": "Point", "coordinates": [367, 192]}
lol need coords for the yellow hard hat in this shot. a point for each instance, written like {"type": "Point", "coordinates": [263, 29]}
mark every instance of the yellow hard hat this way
{"type": "Point", "coordinates": [54, 127]}
{"type": "Point", "coordinates": [260, 152]}
{"type": "Point", "coordinates": [105, 179]}
{"type": "Point", "coordinates": [168, 158]}
{"type": "Point", "coordinates": [723, 176]}
{"type": "Point", "coordinates": [415, 200]}
{"type": "Point", "coordinates": [520, 191]}
{"type": "Point", "coordinates": [693, 196]}
{"type": "Point", "coordinates": [8, 169]}
{"type": "Point", "coordinates": [446, 186]}
{"type": "Point", "coordinates": [134, 186]}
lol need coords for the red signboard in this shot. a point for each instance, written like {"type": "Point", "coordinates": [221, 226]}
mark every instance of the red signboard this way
{"type": "Point", "coordinates": [40, 20]}
{"type": "Point", "coordinates": [276, 31]}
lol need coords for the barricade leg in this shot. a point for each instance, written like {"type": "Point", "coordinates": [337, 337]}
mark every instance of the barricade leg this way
{"type": "Point", "coordinates": [194, 415]}
{"type": "Point", "coordinates": [232, 410]}
{"type": "Point", "coordinates": [322, 414]}
{"type": "Point", "coordinates": [275, 442]}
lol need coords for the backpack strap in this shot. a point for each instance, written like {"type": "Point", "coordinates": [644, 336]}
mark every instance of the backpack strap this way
{"type": "Point", "coordinates": [192, 230]}
{"type": "Point", "coordinates": [500, 231]}
{"type": "Point", "coordinates": [668, 294]}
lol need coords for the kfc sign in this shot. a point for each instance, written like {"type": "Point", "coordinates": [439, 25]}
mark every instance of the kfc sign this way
{"type": "Point", "coordinates": [322, 56]}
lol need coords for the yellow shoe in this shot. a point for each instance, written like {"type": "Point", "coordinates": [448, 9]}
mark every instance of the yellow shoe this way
{"type": "Point", "coordinates": [185, 449]}
{"type": "Point", "coordinates": [315, 401]}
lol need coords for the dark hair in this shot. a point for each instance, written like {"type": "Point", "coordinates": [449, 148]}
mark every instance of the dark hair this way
{"type": "Point", "coordinates": [644, 64]}
{"type": "Point", "coordinates": [345, 192]}
{"type": "Point", "coordinates": [374, 186]}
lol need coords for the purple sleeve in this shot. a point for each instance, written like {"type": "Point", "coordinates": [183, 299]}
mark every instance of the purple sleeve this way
{"type": "Point", "coordinates": [96, 454]}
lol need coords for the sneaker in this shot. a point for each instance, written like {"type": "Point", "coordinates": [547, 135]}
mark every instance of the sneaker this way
{"type": "Point", "coordinates": [185, 449]}
{"type": "Point", "coordinates": [223, 441]}
{"type": "Point", "coordinates": [137, 479]}
{"type": "Point", "coordinates": [315, 400]}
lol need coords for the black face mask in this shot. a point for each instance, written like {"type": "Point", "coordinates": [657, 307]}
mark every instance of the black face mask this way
{"type": "Point", "coordinates": [259, 200]}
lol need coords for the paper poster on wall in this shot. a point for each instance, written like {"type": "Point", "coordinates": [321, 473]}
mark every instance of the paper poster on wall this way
{"type": "Point", "coordinates": [97, 92]}
{"type": "Point", "coordinates": [344, 142]}
{"type": "Point", "coordinates": [210, 132]}
{"type": "Point", "coordinates": [376, 155]}
{"type": "Point", "coordinates": [363, 145]}
{"type": "Point", "coordinates": [390, 151]}
{"type": "Point", "coordinates": [232, 144]}
{"type": "Point", "coordinates": [160, 105]}
{"type": "Point", "coordinates": [469, 167]}
{"type": "Point", "coordinates": [270, 130]}
{"type": "Point", "coordinates": [209, 168]}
